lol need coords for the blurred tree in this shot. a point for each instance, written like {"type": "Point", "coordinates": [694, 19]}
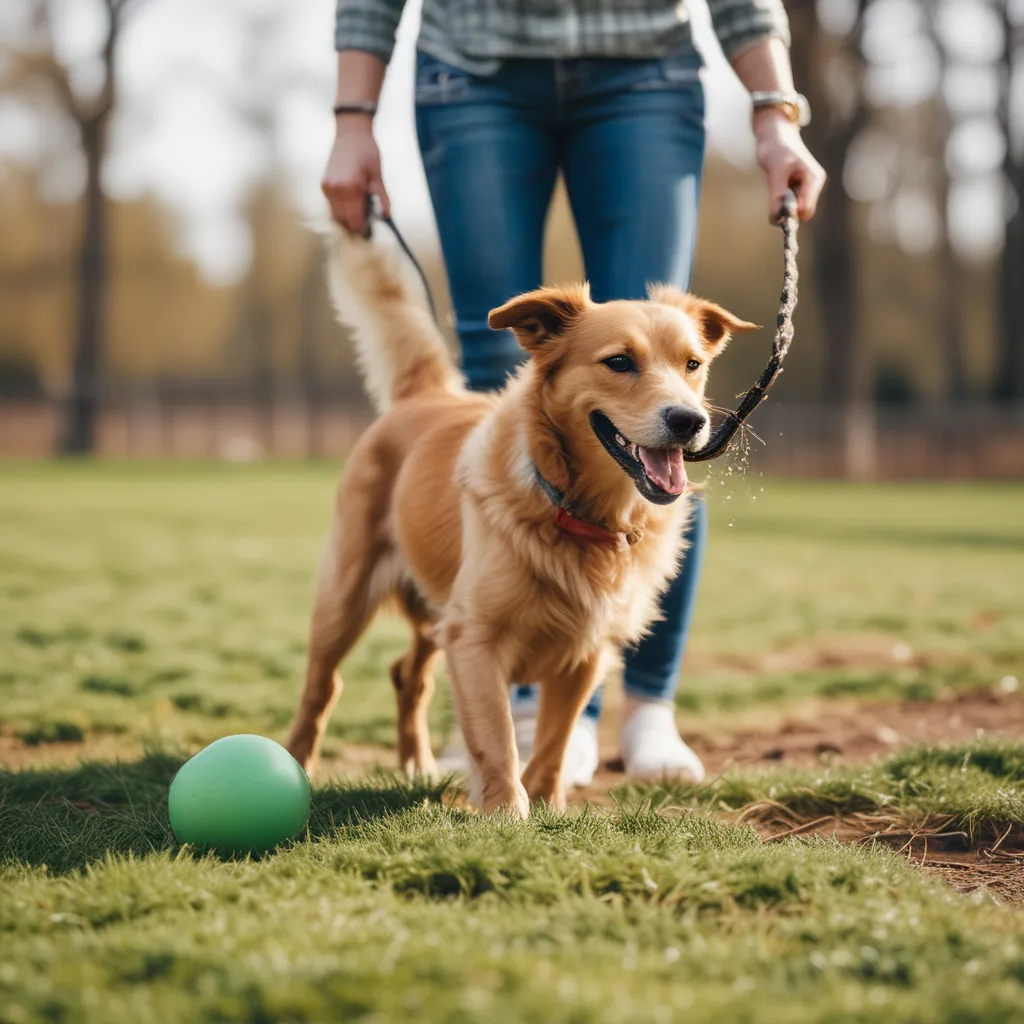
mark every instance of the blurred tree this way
{"type": "Point", "coordinates": [829, 67]}
{"type": "Point", "coordinates": [937, 124]}
{"type": "Point", "coordinates": [313, 297]}
{"type": "Point", "coordinates": [90, 111]}
{"type": "Point", "coordinates": [270, 334]}
{"type": "Point", "coordinates": [1010, 362]}
{"type": "Point", "coordinates": [830, 70]}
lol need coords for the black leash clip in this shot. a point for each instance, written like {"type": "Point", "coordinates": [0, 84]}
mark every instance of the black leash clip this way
{"type": "Point", "coordinates": [373, 209]}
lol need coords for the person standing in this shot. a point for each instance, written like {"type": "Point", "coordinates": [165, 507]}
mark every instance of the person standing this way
{"type": "Point", "coordinates": [610, 95]}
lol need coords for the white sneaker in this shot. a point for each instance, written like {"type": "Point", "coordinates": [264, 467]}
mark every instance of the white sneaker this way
{"type": "Point", "coordinates": [581, 757]}
{"type": "Point", "coordinates": [651, 745]}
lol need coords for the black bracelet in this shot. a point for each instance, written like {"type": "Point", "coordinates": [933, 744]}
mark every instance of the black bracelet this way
{"type": "Point", "coordinates": [355, 108]}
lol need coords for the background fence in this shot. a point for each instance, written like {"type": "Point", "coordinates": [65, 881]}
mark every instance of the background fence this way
{"type": "Point", "coordinates": [218, 422]}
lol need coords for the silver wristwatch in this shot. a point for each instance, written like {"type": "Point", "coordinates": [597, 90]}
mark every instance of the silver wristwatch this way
{"type": "Point", "coordinates": [793, 104]}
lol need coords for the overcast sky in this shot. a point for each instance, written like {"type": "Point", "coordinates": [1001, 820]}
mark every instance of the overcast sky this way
{"type": "Point", "coordinates": [188, 77]}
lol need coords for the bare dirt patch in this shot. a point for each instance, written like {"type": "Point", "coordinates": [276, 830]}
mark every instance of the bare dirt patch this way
{"type": "Point", "coordinates": [864, 651]}
{"type": "Point", "coordinates": [967, 865]}
{"type": "Point", "coordinates": [860, 731]}
{"type": "Point", "coordinates": [17, 755]}
{"type": "Point", "coordinates": [822, 732]}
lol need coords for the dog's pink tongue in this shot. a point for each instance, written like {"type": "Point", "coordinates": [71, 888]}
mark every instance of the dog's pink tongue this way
{"type": "Point", "coordinates": [665, 467]}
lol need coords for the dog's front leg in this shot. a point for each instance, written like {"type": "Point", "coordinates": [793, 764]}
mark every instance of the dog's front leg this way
{"type": "Point", "coordinates": [480, 685]}
{"type": "Point", "coordinates": [562, 700]}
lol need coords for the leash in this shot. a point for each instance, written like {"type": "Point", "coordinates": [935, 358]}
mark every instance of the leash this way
{"type": "Point", "coordinates": [374, 211]}
{"type": "Point", "coordinates": [722, 435]}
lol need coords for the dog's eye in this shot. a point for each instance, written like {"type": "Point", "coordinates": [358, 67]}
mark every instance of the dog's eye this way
{"type": "Point", "coordinates": [620, 364]}
{"type": "Point", "coordinates": [693, 366]}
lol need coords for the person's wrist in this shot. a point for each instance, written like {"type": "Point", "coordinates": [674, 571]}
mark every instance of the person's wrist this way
{"type": "Point", "coordinates": [773, 121]}
{"type": "Point", "coordinates": [350, 127]}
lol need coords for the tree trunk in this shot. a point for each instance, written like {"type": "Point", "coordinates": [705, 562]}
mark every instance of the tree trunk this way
{"type": "Point", "coordinates": [1010, 379]}
{"type": "Point", "coordinates": [829, 135]}
{"type": "Point", "coordinates": [845, 379]}
{"type": "Point", "coordinates": [78, 436]}
{"type": "Point", "coordinates": [1009, 385]}
{"type": "Point", "coordinates": [951, 313]}
{"type": "Point", "coordinates": [936, 125]}
{"type": "Point", "coordinates": [311, 295]}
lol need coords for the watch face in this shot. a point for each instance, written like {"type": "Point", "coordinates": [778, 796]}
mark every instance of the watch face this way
{"type": "Point", "coordinates": [793, 105]}
{"type": "Point", "coordinates": [785, 107]}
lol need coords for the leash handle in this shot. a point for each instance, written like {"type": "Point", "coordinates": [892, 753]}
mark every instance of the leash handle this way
{"type": "Point", "coordinates": [722, 435]}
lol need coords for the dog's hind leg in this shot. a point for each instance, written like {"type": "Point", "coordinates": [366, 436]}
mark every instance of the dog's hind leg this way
{"type": "Point", "coordinates": [356, 574]}
{"type": "Point", "coordinates": [413, 679]}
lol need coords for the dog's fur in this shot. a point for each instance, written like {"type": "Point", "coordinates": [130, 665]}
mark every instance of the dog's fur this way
{"type": "Point", "coordinates": [440, 508]}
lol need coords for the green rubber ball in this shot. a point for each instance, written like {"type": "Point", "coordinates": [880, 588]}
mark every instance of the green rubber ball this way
{"type": "Point", "coordinates": [241, 794]}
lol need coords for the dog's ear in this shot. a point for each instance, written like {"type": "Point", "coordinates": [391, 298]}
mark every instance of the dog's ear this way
{"type": "Point", "coordinates": [716, 325]}
{"type": "Point", "coordinates": [538, 316]}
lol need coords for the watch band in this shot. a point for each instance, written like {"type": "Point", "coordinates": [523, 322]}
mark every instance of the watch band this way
{"type": "Point", "coordinates": [795, 105]}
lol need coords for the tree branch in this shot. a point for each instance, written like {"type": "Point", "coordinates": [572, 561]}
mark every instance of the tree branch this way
{"type": "Point", "coordinates": [41, 63]}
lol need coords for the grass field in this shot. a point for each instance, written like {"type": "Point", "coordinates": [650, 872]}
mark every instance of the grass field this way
{"type": "Point", "coordinates": [154, 609]}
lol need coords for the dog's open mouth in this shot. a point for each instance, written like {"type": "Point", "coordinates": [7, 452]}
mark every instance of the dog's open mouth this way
{"type": "Point", "coordinates": [659, 473]}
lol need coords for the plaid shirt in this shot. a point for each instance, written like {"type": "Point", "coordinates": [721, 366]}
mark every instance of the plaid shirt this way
{"type": "Point", "coordinates": [476, 35]}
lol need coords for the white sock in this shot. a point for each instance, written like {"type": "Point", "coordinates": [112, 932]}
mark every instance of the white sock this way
{"type": "Point", "coordinates": [651, 745]}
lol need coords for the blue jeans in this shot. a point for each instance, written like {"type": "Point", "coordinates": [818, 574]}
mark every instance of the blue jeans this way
{"type": "Point", "coordinates": [628, 137]}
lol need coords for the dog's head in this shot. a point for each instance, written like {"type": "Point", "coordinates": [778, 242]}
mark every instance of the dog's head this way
{"type": "Point", "coordinates": [623, 382]}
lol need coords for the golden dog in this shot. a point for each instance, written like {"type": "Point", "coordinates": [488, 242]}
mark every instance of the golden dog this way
{"type": "Point", "coordinates": [527, 533]}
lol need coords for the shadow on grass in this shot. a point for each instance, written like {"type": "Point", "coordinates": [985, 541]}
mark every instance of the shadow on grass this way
{"type": "Point", "coordinates": [66, 818]}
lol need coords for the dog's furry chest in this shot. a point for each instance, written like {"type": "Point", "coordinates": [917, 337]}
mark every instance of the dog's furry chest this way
{"type": "Point", "coordinates": [603, 597]}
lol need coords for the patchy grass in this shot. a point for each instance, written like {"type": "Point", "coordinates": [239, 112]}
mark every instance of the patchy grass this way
{"type": "Point", "coordinates": [396, 905]}
{"type": "Point", "coordinates": [974, 787]}
{"type": "Point", "coordinates": [168, 604]}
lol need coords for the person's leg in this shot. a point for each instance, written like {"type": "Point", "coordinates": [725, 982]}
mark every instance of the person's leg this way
{"type": "Point", "coordinates": [490, 154]}
{"type": "Point", "coordinates": [651, 745]}
{"type": "Point", "coordinates": [490, 163]}
{"type": "Point", "coordinates": [633, 165]}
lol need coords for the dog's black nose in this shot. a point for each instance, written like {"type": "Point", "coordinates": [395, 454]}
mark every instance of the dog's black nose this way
{"type": "Point", "coordinates": [683, 422]}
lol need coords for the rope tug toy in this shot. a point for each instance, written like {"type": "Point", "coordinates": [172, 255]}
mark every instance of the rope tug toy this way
{"type": "Point", "coordinates": [722, 435]}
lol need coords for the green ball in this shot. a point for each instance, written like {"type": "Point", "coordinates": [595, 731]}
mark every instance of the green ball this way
{"type": "Point", "coordinates": [241, 794]}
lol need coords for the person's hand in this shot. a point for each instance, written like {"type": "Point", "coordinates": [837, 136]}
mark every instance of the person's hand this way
{"type": "Point", "coordinates": [353, 173]}
{"type": "Point", "coordinates": [787, 162]}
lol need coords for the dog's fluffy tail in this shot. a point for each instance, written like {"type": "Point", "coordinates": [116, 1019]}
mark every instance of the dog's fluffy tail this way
{"type": "Point", "coordinates": [377, 293]}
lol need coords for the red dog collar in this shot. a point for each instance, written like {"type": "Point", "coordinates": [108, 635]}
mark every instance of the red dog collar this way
{"type": "Point", "coordinates": [579, 529]}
